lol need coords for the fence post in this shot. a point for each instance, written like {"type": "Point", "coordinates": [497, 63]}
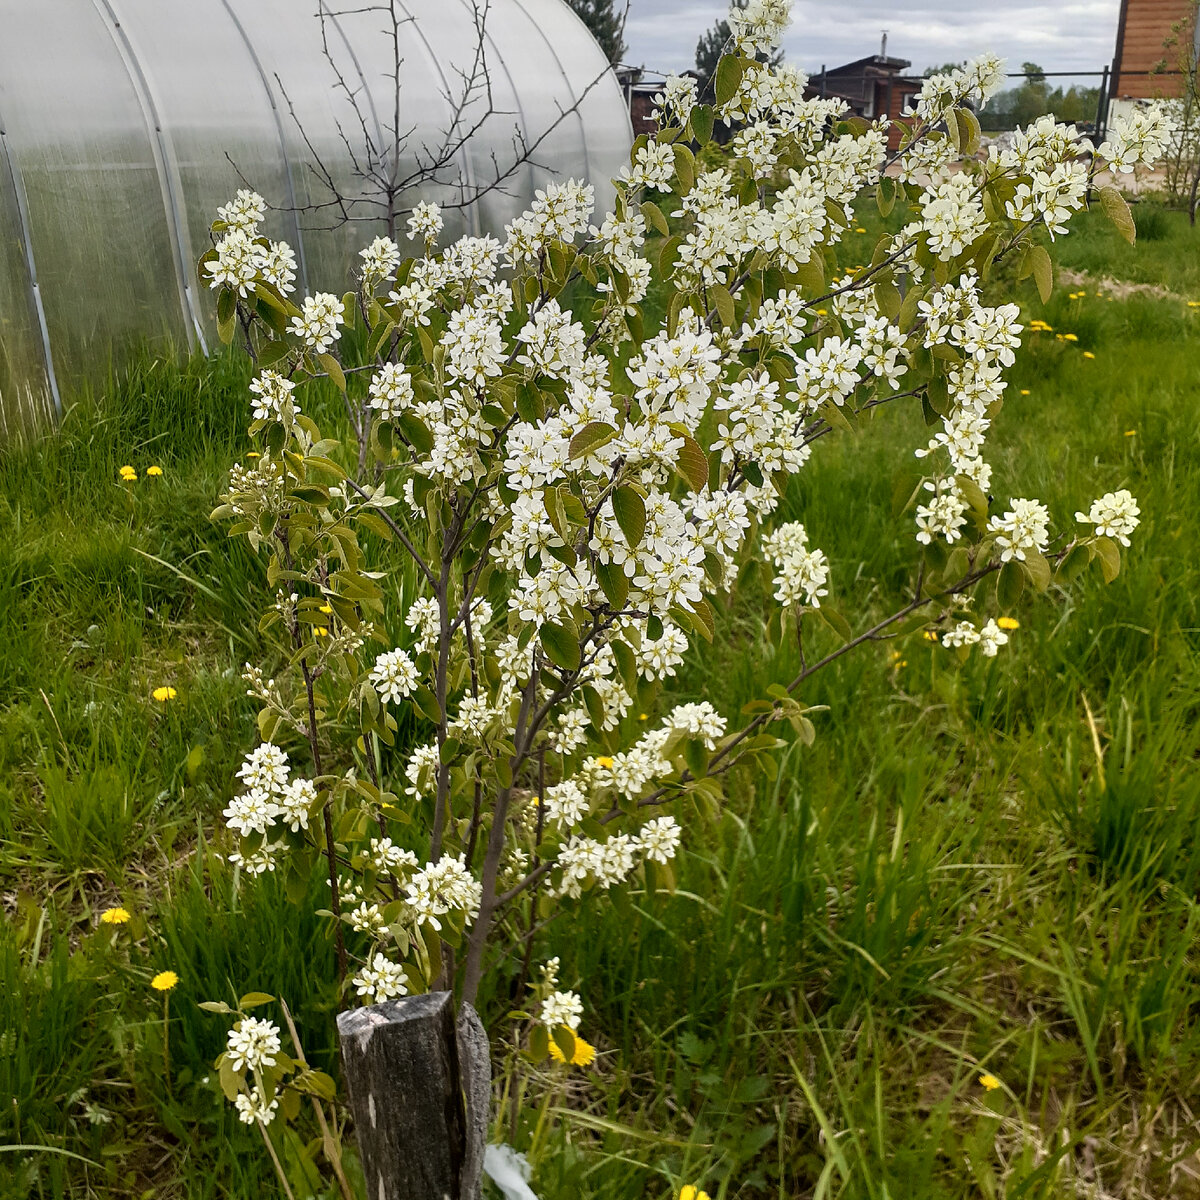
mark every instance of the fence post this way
{"type": "Point", "coordinates": [420, 1090]}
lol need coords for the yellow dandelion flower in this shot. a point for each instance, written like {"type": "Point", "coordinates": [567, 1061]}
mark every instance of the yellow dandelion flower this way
{"type": "Point", "coordinates": [326, 609]}
{"type": "Point", "coordinates": [155, 471]}
{"type": "Point", "coordinates": [822, 312]}
{"type": "Point", "coordinates": [689, 1191]}
{"type": "Point", "coordinates": [1008, 623]}
{"type": "Point", "coordinates": [989, 1083]}
{"type": "Point", "coordinates": [1131, 433]}
{"type": "Point", "coordinates": [1194, 304]}
{"type": "Point", "coordinates": [584, 1055]}
{"type": "Point", "coordinates": [930, 635]}
{"type": "Point", "coordinates": [1088, 354]}
{"type": "Point", "coordinates": [114, 916]}
{"type": "Point", "coordinates": [163, 694]}
{"type": "Point", "coordinates": [1024, 391]}
{"type": "Point", "coordinates": [164, 981]}
{"type": "Point", "coordinates": [253, 454]}
{"type": "Point", "coordinates": [128, 473]}
{"type": "Point", "coordinates": [643, 716]}
{"type": "Point", "coordinates": [320, 631]}
{"type": "Point", "coordinates": [605, 761]}
{"type": "Point", "coordinates": [1070, 337]}
{"type": "Point", "coordinates": [859, 229]}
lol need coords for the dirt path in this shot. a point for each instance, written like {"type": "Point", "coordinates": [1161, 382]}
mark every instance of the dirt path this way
{"type": "Point", "coordinates": [1119, 289]}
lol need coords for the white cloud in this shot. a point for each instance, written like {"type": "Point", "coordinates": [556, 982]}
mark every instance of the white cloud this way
{"type": "Point", "coordinates": [1060, 35]}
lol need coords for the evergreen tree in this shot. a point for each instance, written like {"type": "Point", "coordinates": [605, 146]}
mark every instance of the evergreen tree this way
{"type": "Point", "coordinates": [606, 24]}
{"type": "Point", "coordinates": [712, 43]}
{"type": "Point", "coordinates": [709, 47]}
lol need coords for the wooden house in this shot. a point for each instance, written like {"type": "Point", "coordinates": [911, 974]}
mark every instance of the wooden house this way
{"type": "Point", "coordinates": [1144, 65]}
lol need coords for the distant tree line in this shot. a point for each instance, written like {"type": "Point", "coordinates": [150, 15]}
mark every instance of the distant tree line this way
{"type": "Point", "coordinates": [1032, 99]}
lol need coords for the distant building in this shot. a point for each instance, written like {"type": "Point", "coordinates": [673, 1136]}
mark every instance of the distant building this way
{"type": "Point", "coordinates": [875, 86]}
{"type": "Point", "coordinates": [1143, 66]}
{"type": "Point", "coordinates": [872, 87]}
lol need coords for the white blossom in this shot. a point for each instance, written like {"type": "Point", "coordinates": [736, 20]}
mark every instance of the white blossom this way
{"type": "Point", "coordinates": [1115, 515]}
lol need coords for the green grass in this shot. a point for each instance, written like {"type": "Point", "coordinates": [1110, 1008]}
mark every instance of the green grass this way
{"type": "Point", "coordinates": [949, 882]}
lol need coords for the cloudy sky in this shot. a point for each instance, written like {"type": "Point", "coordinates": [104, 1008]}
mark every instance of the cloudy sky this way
{"type": "Point", "coordinates": [1060, 35]}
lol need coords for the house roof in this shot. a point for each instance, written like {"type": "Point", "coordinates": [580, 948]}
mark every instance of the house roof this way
{"type": "Point", "coordinates": [879, 61]}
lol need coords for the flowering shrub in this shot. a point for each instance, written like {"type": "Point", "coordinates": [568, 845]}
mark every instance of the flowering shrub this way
{"type": "Point", "coordinates": [574, 476]}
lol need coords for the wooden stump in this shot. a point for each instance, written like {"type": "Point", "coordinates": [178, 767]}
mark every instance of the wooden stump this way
{"type": "Point", "coordinates": [420, 1091]}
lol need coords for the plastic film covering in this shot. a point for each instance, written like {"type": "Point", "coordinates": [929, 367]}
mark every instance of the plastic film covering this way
{"type": "Point", "coordinates": [78, 138]}
{"type": "Point", "coordinates": [127, 122]}
{"type": "Point", "coordinates": [26, 394]}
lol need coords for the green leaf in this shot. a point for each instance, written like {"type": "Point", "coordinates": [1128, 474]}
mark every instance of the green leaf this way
{"type": "Point", "coordinates": [968, 131]}
{"type": "Point", "coordinates": [254, 999]}
{"type": "Point", "coordinates": [1038, 570]}
{"type": "Point", "coordinates": [729, 78]}
{"type": "Point", "coordinates": [1117, 211]}
{"type": "Point", "coordinates": [1043, 271]}
{"type": "Point", "coordinates": [272, 353]}
{"type": "Point", "coordinates": [887, 296]}
{"type": "Point", "coordinates": [561, 646]}
{"type": "Point", "coordinates": [591, 437]}
{"type": "Point", "coordinates": [835, 621]}
{"type": "Point", "coordinates": [564, 1039]}
{"type": "Point", "coordinates": [1075, 561]}
{"type": "Point", "coordinates": [702, 619]}
{"type": "Point", "coordinates": [685, 166]}
{"type": "Point", "coordinates": [972, 493]}
{"type": "Point", "coordinates": [539, 1042]}
{"type": "Point", "coordinates": [692, 463]}
{"type": "Point", "coordinates": [1109, 554]}
{"type": "Point", "coordinates": [231, 1081]}
{"type": "Point", "coordinates": [630, 510]}
{"type": "Point", "coordinates": [666, 256]}
{"type": "Point", "coordinates": [626, 664]}
{"type": "Point", "coordinates": [427, 703]}
{"type": "Point", "coordinates": [216, 1006]}
{"type": "Point", "coordinates": [614, 583]}
{"type": "Point", "coordinates": [1010, 585]}
{"type": "Point", "coordinates": [885, 195]}
{"type": "Point", "coordinates": [334, 370]}
{"type": "Point", "coordinates": [702, 123]}
{"type": "Point", "coordinates": [654, 218]}
{"type": "Point", "coordinates": [753, 472]}
{"type": "Point", "coordinates": [723, 302]}
{"type": "Point", "coordinates": [226, 306]}
{"type": "Point", "coordinates": [415, 432]}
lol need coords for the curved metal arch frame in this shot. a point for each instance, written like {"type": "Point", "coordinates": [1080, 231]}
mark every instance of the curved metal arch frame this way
{"type": "Point", "coordinates": [14, 173]}
{"type": "Point", "coordinates": [279, 130]}
{"type": "Point", "coordinates": [323, 8]}
{"type": "Point", "coordinates": [576, 99]}
{"type": "Point", "coordinates": [474, 209]}
{"type": "Point", "coordinates": [164, 159]}
{"type": "Point", "coordinates": [435, 63]}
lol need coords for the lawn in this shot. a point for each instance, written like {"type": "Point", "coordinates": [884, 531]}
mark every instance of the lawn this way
{"type": "Point", "coordinates": [950, 950]}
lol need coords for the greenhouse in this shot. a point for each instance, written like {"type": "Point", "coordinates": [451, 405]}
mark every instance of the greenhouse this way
{"type": "Point", "coordinates": [125, 123]}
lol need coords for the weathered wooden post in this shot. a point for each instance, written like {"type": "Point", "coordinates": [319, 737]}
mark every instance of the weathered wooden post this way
{"type": "Point", "coordinates": [420, 1090]}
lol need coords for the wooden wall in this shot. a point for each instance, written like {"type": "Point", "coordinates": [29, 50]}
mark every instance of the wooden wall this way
{"type": "Point", "coordinates": [1144, 26]}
